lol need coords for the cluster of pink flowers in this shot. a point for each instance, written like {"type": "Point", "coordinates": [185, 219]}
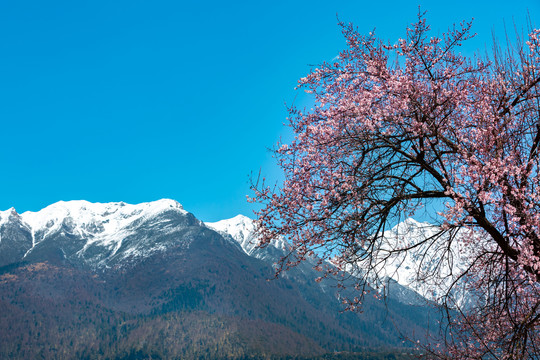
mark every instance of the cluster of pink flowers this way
{"type": "Point", "coordinates": [397, 126]}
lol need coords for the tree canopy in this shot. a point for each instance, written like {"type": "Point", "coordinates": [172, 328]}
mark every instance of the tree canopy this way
{"type": "Point", "coordinates": [395, 126]}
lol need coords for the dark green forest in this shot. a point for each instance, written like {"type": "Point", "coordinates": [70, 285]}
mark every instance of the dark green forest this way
{"type": "Point", "coordinates": [50, 311]}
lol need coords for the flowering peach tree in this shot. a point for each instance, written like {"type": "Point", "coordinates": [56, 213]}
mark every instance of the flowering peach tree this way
{"type": "Point", "coordinates": [398, 126]}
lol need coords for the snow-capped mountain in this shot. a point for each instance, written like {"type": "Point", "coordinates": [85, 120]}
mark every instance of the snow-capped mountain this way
{"type": "Point", "coordinates": [429, 268]}
{"type": "Point", "coordinates": [137, 270]}
{"type": "Point", "coordinates": [98, 235]}
{"type": "Point", "coordinates": [105, 235]}
{"type": "Point", "coordinates": [242, 230]}
{"type": "Point", "coordinates": [400, 273]}
{"type": "Point", "coordinates": [115, 235]}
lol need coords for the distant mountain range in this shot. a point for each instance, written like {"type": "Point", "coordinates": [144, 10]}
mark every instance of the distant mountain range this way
{"type": "Point", "coordinates": [120, 281]}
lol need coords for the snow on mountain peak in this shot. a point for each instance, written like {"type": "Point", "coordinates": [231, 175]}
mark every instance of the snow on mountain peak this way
{"type": "Point", "coordinates": [239, 227]}
{"type": "Point", "coordinates": [411, 227]}
{"type": "Point", "coordinates": [105, 225]}
{"type": "Point", "coordinates": [82, 212]}
{"type": "Point", "coordinates": [420, 268]}
{"type": "Point", "coordinates": [242, 229]}
{"type": "Point", "coordinates": [6, 215]}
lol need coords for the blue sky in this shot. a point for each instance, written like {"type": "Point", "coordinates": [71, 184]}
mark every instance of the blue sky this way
{"type": "Point", "coordinates": [140, 100]}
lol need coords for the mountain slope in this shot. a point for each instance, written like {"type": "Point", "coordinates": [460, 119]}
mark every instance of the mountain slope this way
{"type": "Point", "coordinates": [117, 274]}
{"type": "Point", "coordinates": [399, 283]}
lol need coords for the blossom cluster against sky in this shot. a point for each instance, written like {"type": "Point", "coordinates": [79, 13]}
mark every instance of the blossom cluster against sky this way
{"type": "Point", "coordinates": [136, 100]}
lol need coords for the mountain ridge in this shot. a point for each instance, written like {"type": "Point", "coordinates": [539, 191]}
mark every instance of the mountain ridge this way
{"type": "Point", "coordinates": [102, 225]}
{"type": "Point", "coordinates": [106, 235]}
{"type": "Point", "coordinates": [165, 265]}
